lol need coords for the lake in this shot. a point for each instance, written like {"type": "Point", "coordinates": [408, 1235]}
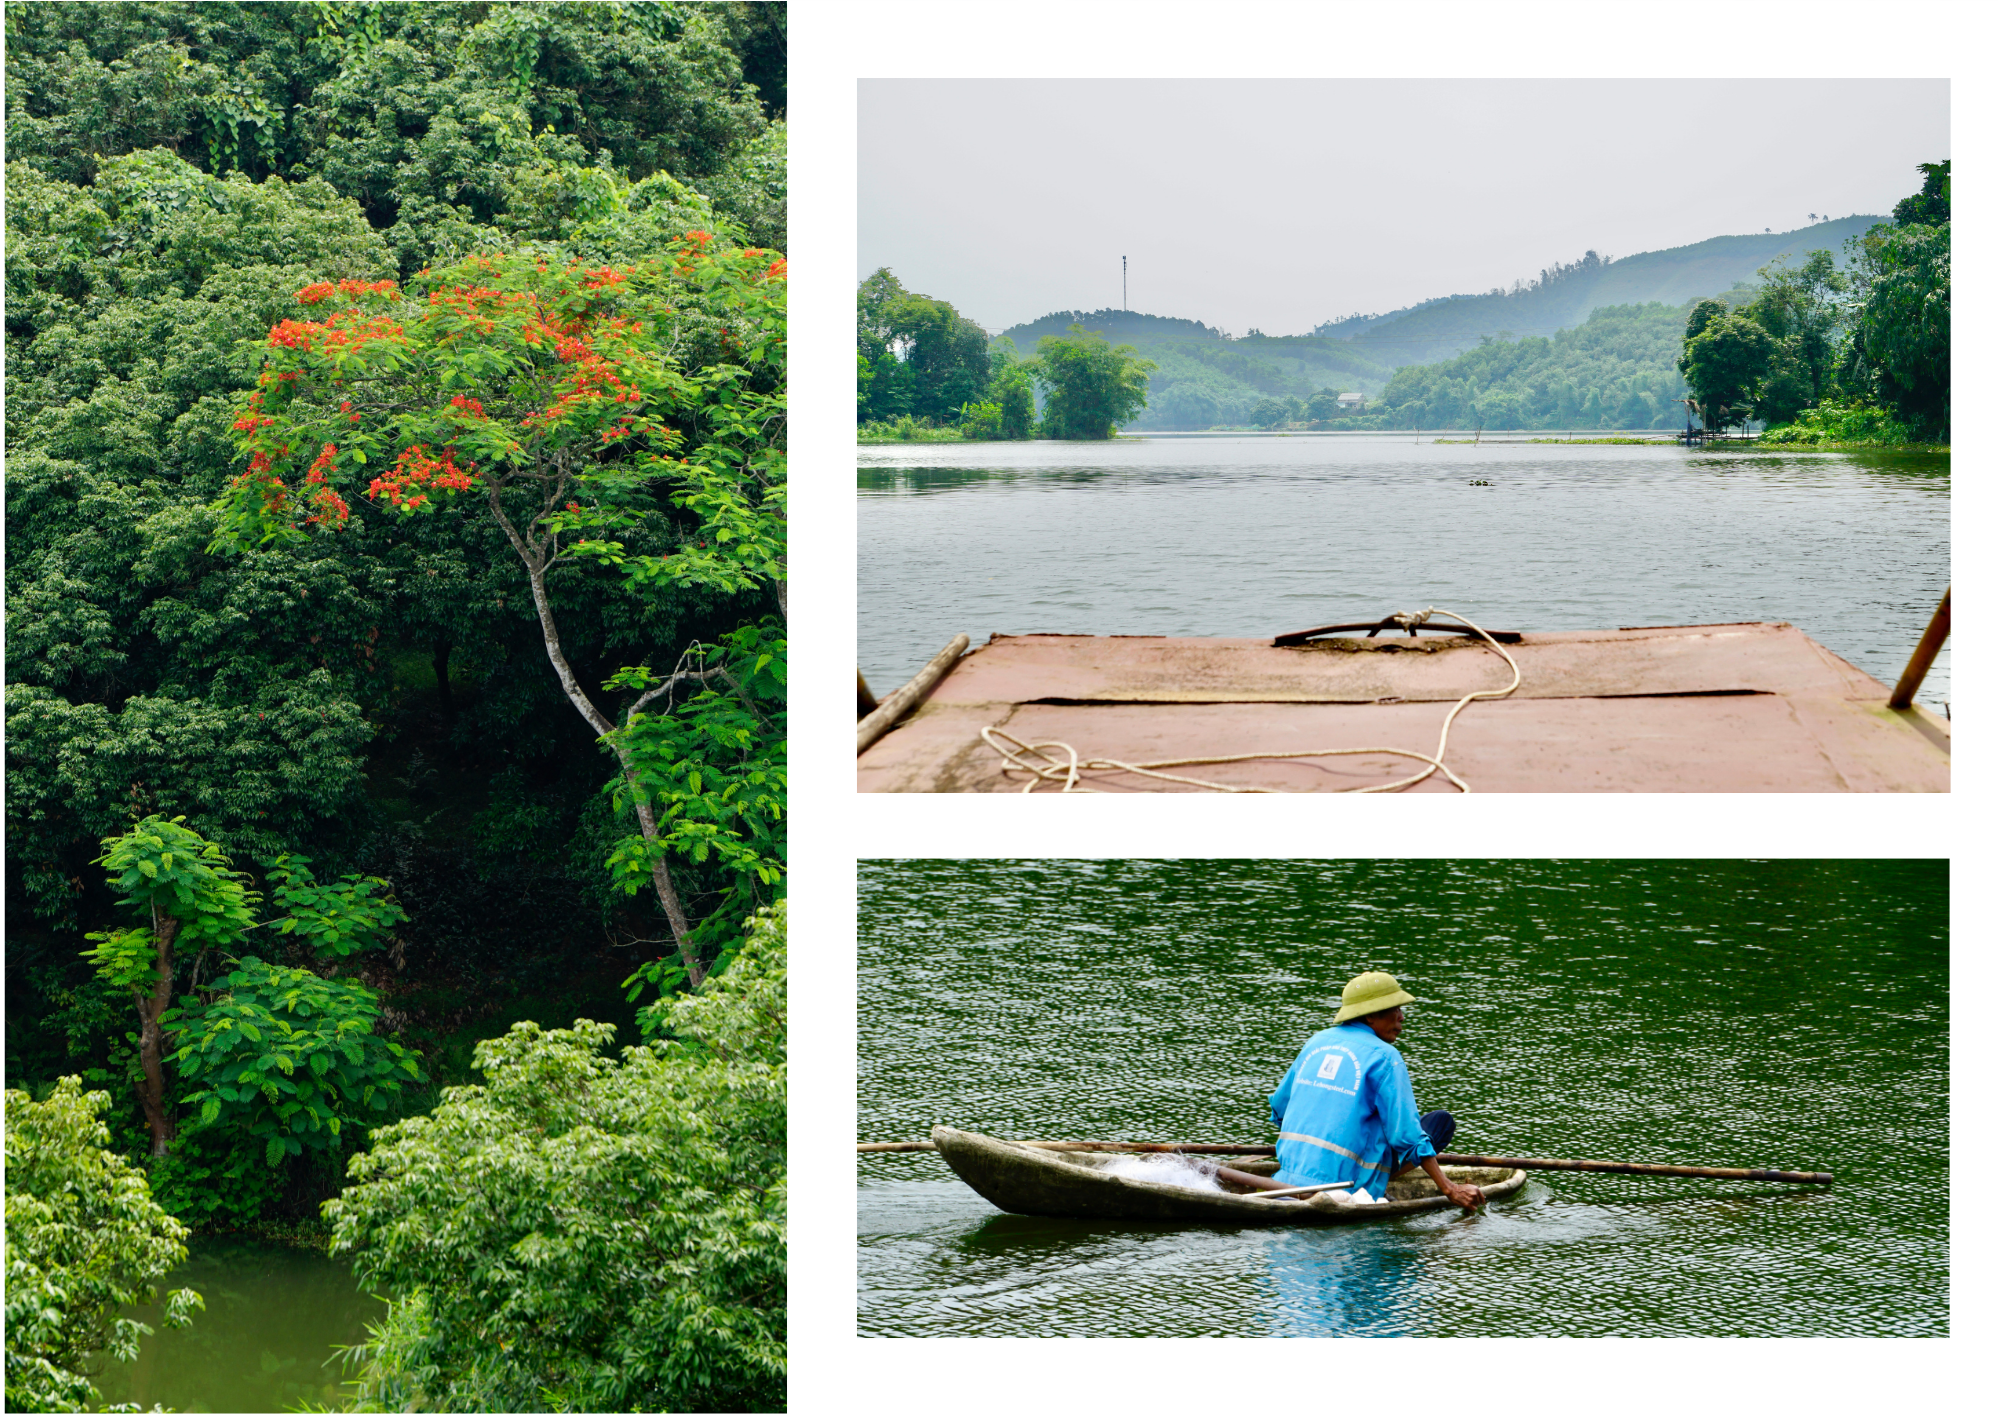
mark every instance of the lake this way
{"type": "Point", "coordinates": [274, 1315]}
{"type": "Point", "coordinates": [1786, 1013]}
{"type": "Point", "coordinates": [1249, 536]}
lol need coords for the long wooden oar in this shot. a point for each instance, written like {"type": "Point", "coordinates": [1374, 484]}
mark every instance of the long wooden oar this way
{"type": "Point", "coordinates": [1088, 1146]}
{"type": "Point", "coordinates": [1463, 1160]}
{"type": "Point", "coordinates": [1608, 1166]}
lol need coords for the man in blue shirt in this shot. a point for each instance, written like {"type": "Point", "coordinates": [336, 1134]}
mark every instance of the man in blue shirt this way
{"type": "Point", "coordinates": [1345, 1110]}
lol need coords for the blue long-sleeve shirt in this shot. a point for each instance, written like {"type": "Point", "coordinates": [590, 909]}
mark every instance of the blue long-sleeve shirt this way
{"type": "Point", "coordinates": [1345, 1110]}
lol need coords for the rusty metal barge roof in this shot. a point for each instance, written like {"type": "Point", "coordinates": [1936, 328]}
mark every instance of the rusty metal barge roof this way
{"type": "Point", "coordinates": [1705, 707]}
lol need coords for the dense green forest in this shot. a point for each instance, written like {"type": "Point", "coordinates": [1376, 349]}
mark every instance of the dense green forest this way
{"type": "Point", "coordinates": [1830, 352]}
{"type": "Point", "coordinates": [1616, 370]}
{"type": "Point", "coordinates": [396, 608]}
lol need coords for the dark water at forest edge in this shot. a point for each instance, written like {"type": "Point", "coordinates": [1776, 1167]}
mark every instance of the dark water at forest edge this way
{"type": "Point", "coordinates": [1740, 1013]}
{"type": "Point", "coordinates": [1249, 537]}
{"type": "Point", "coordinates": [274, 1315]}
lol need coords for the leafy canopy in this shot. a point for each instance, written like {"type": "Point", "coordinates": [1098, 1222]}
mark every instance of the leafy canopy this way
{"type": "Point", "coordinates": [578, 1232]}
{"type": "Point", "coordinates": [280, 1054]}
{"type": "Point", "coordinates": [1088, 387]}
{"type": "Point", "coordinates": [85, 1240]}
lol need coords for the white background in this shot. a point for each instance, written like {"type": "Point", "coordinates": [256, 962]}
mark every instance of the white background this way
{"type": "Point", "coordinates": [832, 46]}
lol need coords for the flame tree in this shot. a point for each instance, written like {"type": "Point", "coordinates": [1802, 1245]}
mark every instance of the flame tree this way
{"type": "Point", "coordinates": [625, 420]}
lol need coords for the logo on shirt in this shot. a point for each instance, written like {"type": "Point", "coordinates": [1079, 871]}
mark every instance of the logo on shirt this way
{"type": "Point", "coordinates": [1338, 1069]}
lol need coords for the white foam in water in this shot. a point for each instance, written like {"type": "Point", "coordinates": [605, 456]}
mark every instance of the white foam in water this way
{"type": "Point", "coordinates": [1175, 1170]}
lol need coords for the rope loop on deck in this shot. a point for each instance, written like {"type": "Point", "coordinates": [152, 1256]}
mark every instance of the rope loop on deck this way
{"type": "Point", "coordinates": [1067, 768]}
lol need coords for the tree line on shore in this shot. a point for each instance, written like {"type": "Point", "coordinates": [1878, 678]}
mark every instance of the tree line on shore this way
{"type": "Point", "coordinates": [1825, 352]}
{"type": "Point", "coordinates": [921, 366]}
{"type": "Point", "coordinates": [391, 386]}
{"type": "Point", "coordinates": [1822, 350]}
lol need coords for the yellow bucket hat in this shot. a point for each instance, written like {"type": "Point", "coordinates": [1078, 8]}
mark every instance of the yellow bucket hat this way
{"type": "Point", "coordinates": [1369, 993]}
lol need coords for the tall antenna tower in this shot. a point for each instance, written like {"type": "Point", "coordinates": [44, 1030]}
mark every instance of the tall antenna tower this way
{"type": "Point", "coordinates": [1125, 283]}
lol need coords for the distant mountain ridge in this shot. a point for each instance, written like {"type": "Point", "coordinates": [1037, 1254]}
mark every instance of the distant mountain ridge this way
{"type": "Point", "coordinates": [1205, 376]}
{"type": "Point", "coordinates": [1563, 296]}
{"type": "Point", "coordinates": [1560, 297]}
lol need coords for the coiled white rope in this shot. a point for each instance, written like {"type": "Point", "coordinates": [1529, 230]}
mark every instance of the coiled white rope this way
{"type": "Point", "coordinates": [1019, 755]}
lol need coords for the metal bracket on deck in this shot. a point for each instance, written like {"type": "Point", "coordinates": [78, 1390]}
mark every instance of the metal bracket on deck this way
{"type": "Point", "coordinates": [1392, 622]}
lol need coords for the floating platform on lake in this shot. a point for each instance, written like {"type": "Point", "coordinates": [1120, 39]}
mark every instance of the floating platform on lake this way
{"type": "Point", "coordinates": [1057, 1184]}
{"type": "Point", "coordinates": [1700, 707]}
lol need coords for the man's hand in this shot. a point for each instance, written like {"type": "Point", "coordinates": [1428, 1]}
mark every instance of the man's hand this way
{"type": "Point", "coordinates": [1465, 1195]}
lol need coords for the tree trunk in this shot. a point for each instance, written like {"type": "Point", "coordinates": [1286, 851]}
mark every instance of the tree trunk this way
{"type": "Point", "coordinates": [153, 1096]}
{"type": "Point", "coordinates": [441, 665]}
{"type": "Point", "coordinates": [533, 558]}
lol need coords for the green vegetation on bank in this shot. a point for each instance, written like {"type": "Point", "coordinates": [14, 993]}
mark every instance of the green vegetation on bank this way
{"type": "Point", "coordinates": [1824, 355]}
{"type": "Point", "coordinates": [388, 572]}
{"type": "Point", "coordinates": [920, 366]}
{"type": "Point", "coordinates": [637, 1207]}
{"type": "Point", "coordinates": [1616, 370]}
{"type": "Point", "coordinates": [85, 1242]}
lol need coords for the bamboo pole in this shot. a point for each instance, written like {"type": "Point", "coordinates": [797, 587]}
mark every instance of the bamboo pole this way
{"type": "Point", "coordinates": [1609, 1166]}
{"type": "Point", "coordinates": [1089, 1146]}
{"type": "Point", "coordinates": [907, 696]}
{"type": "Point", "coordinates": [1112, 1146]}
{"type": "Point", "coordinates": [1927, 650]}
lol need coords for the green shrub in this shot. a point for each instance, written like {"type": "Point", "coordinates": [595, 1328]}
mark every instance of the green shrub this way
{"type": "Point", "coordinates": [85, 1240]}
{"type": "Point", "coordinates": [579, 1232]}
{"type": "Point", "coordinates": [1853, 423]}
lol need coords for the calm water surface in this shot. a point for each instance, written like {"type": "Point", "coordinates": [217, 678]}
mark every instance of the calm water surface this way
{"type": "Point", "coordinates": [274, 1315]}
{"type": "Point", "coordinates": [1739, 1014]}
{"type": "Point", "coordinates": [1254, 536]}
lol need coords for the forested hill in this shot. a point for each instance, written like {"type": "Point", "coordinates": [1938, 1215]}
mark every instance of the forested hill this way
{"type": "Point", "coordinates": [1207, 377]}
{"type": "Point", "coordinates": [1615, 370]}
{"type": "Point", "coordinates": [1118, 325]}
{"type": "Point", "coordinates": [1562, 296]}
{"type": "Point", "coordinates": [1203, 375]}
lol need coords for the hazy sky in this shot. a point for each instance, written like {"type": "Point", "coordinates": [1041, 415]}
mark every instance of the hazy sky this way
{"type": "Point", "coordinates": [1280, 204]}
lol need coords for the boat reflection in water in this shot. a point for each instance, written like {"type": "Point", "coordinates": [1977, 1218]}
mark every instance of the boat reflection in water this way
{"type": "Point", "coordinates": [1357, 1281]}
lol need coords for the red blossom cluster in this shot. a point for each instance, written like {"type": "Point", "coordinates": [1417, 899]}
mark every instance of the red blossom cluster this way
{"type": "Point", "coordinates": [471, 407]}
{"type": "Point", "coordinates": [604, 279]}
{"type": "Point", "coordinates": [336, 333]}
{"type": "Point", "coordinates": [416, 467]}
{"type": "Point", "coordinates": [328, 506]}
{"type": "Point", "coordinates": [353, 289]}
{"type": "Point", "coordinates": [250, 422]}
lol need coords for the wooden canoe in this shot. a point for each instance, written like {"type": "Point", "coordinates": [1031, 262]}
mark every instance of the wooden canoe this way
{"type": "Point", "coordinates": [1061, 1184]}
{"type": "Point", "coordinates": [1704, 707]}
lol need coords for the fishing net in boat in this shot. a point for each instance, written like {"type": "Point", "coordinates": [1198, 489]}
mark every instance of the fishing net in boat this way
{"type": "Point", "coordinates": [1174, 1170]}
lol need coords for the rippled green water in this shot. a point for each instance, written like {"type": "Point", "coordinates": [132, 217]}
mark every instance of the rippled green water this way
{"type": "Point", "coordinates": [1253, 536]}
{"type": "Point", "coordinates": [274, 1315]}
{"type": "Point", "coordinates": [1740, 1014]}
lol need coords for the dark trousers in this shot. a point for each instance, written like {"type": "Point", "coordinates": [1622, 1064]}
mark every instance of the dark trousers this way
{"type": "Point", "coordinates": [1438, 1127]}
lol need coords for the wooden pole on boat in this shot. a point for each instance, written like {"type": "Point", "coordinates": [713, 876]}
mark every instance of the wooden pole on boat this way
{"type": "Point", "coordinates": [1607, 1166]}
{"type": "Point", "coordinates": [1927, 651]}
{"type": "Point", "coordinates": [1089, 1146]}
{"type": "Point", "coordinates": [1112, 1146]}
{"type": "Point", "coordinates": [907, 696]}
